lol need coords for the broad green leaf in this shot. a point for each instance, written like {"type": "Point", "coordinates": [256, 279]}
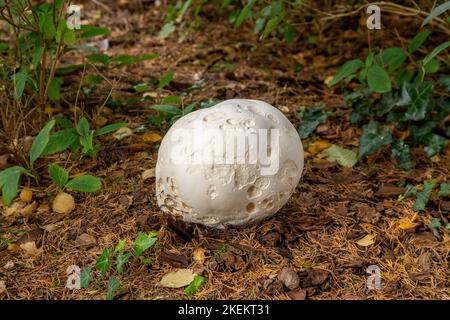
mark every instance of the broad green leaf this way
{"type": "Point", "coordinates": [86, 278]}
{"type": "Point", "coordinates": [54, 90]}
{"type": "Point", "coordinates": [165, 80]}
{"type": "Point", "coordinates": [195, 285]}
{"type": "Point", "coordinates": [167, 30]}
{"type": "Point", "coordinates": [93, 80]}
{"type": "Point", "coordinates": [38, 51]}
{"type": "Point", "coordinates": [113, 287]}
{"type": "Point", "coordinates": [400, 152]}
{"type": "Point", "coordinates": [445, 190]}
{"type": "Point", "coordinates": [435, 52]}
{"type": "Point", "coordinates": [432, 66]}
{"type": "Point", "coordinates": [104, 262]}
{"type": "Point", "coordinates": [346, 158]}
{"type": "Point", "coordinates": [120, 246]}
{"type": "Point", "coordinates": [88, 31]}
{"type": "Point", "coordinates": [58, 174]}
{"type": "Point", "coordinates": [41, 141]}
{"type": "Point", "coordinates": [83, 127]}
{"type": "Point", "coordinates": [47, 26]}
{"type": "Point", "coordinates": [436, 12]}
{"type": "Point", "coordinates": [373, 138]}
{"type": "Point", "coordinates": [69, 38]}
{"type": "Point", "coordinates": [378, 79]}
{"type": "Point", "coordinates": [166, 108]}
{"type": "Point", "coordinates": [143, 242]}
{"type": "Point", "coordinates": [60, 141]}
{"type": "Point", "coordinates": [20, 79]}
{"type": "Point", "coordinates": [423, 196]}
{"type": "Point", "coordinates": [98, 57]}
{"type": "Point", "coordinates": [109, 128]}
{"type": "Point", "coordinates": [88, 143]}
{"type": "Point", "coordinates": [245, 13]}
{"type": "Point", "coordinates": [86, 183]}
{"type": "Point", "coordinates": [9, 183]}
{"type": "Point", "coordinates": [171, 100]}
{"type": "Point", "coordinates": [311, 118]}
{"type": "Point", "coordinates": [122, 259]}
{"type": "Point", "coordinates": [392, 58]}
{"type": "Point", "coordinates": [349, 68]}
{"type": "Point", "coordinates": [140, 87]}
{"type": "Point", "coordinates": [418, 40]}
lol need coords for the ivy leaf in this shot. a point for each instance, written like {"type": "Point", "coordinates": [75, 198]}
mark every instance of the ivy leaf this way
{"type": "Point", "coordinates": [119, 246]}
{"type": "Point", "coordinates": [311, 118]}
{"type": "Point", "coordinates": [400, 152]}
{"type": "Point", "coordinates": [419, 95]}
{"type": "Point", "coordinates": [86, 278]}
{"type": "Point", "coordinates": [445, 190]}
{"type": "Point", "coordinates": [349, 68]}
{"type": "Point", "coordinates": [378, 79]}
{"type": "Point", "coordinates": [143, 242]}
{"type": "Point", "coordinates": [41, 141]}
{"type": "Point", "coordinates": [122, 258]}
{"type": "Point", "coordinates": [346, 158]}
{"type": "Point", "coordinates": [434, 144]}
{"type": "Point", "coordinates": [104, 262]}
{"type": "Point", "coordinates": [9, 183]}
{"type": "Point", "coordinates": [435, 223]}
{"type": "Point", "coordinates": [373, 138]}
{"type": "Point", "coordinates": [113, 287]}
{"type": "Point", "coordinates": [85, 183]}
{"type": "Point", "coordinates": [195, 285]}
{"type": "Point", "coordinates": [423, 196]}
{"type": "Point", "coordinates": [58, 174]}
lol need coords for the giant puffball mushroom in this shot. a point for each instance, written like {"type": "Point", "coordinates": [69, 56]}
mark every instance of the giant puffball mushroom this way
{"type": "Point", "coordinates": [234, 163]}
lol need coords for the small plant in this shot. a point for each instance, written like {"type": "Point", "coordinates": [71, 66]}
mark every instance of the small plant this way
{"type": "Point", "coordinates": [86, 183]}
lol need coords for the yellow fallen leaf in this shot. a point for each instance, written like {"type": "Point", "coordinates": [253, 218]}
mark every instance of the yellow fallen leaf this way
{"type": "Point", "coordinates": [367, 240]}
{"type": "Point", "coordinates": [404, 224]}
{"type": "Point", "coordinates": [151, 137]}
{"type": "Point", "coordinates": [199, 255]}
{"type": "Point", "coordinates": [318, 146]}
{"type": "Point", "coordinates": [147, 174]}
{"type": "Point", "coordinates": [177, 279]}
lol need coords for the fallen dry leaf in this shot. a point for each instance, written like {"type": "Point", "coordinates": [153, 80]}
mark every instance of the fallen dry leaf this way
{"type": "Point", "coordinates": [149, 173]}
{"type": "Point", "coordinates": [177, 279]}
{"type": "Point", "coordinates": [367, 240]}
{"type": "Point", "coordinates": [30, 249]}
{"type": "Point", "coordinates": [317, 146]}
{"type": "Point", "coordinates": [151, 137]}
{"type": "Point", "coordinates": [85, 240]}
{"type": "Point", "coordinates": [122, 133]}
{"type": "Point", "coordinates": [2, 286]}
{"type": "Point", "coordinates": [63, 203]}
{"type": "Point", "coordinates": [199, 255]}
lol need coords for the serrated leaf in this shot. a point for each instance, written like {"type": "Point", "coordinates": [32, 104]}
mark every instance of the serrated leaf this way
{"type": "Point", "coordinates": [58, 174]}
{"type": "Point", "coordinates": [423, 196]}
{"type": "Point", "coordinates": [85, 183]}
{"type": "Point", "coordinates": [177, 279]}
{"type": "Point", "coordinates": [347, 69]}
{"type": "Point", "coordinates": [195, 285]}
{"type": "Point", "coordinates": [378, 79]}
{"type": "Point", "coordinates": [373, 138]}
{"type": "Point", "coordinates": [86, 278]}
{"type": "Point", "coordinates": [113, 287]}
{"type": "Point", "coordinates": [9, 183]}
{"type": "Point", "coordinates": [143, 242]}
{"type": "Point", "coordinates": [346, 158]}
{"type": "Point", "coordinates": [41, 141]}
{"type": "Point", "coordinates": [104, 262]}
{"type": "Point", "coordinates": [400, 152]}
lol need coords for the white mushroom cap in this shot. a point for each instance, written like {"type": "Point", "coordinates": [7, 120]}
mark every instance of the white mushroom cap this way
{"type": "Point", "coordinates": [231, 164]}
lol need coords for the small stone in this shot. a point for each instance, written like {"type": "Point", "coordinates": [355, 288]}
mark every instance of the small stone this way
{"type": "Point", "coordinates": [289, 278]}
{"type": "Point", "coordinates": [85, 240]}
{"type": "Point", "coordinates": [297, 295]}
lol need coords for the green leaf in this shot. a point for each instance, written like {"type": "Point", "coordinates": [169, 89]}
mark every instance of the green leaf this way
{"type": "Point", "coordinates": [83, 127]}
{"type": "Point", "coordinates": [98, 58]}
{"type": "Point", "coordinates": [58, 174]}
{"type": "Point", "coordinates": [417, 97]}
{"type": "Point", "coordinates": [86, 278]}
{"type": "Point", "coordinates": [435, 52]}
{"type": "Point", "coordinates": [165, 80]}
{"type": "Point", "coordinates": [85, 183]}
{"type": "Point", "coordinates": [120, 246]}
{"type": "Point", "coordinates": [245, 13]}
{"type": "Point", "coordinates": [289, 33]}
{"type": "Point", "coordinates": [41, 141]}
{"type": "Point", "coordinates": [122, 259]}
{"type": "Point", "coordinates": [346, 158]}
{"type": "Point", "coordinates": [432, 66]}
{"type": "Point", "coordinates": [400, 152]}
{"type": "Point", "coordinates": [9, 183]}
{"type": "Point", "coordinates": [38, 51]}
{"type": "Point", "coordinates": [445, 190]}
{"type": "Point", "coordinates": [88, 143]}
{"type": "Point", "coordinates": [435, 223]}
{"type": "Point", "coordinates": [47, 26]}
{"type": "Point", "coordinates": [143, 242]}
{"type": "Point", "coordinates": [140, 87]}
{"type": "Point", "coordinates": [349, 68]}
{"type": "Point", "coordinates": [166, 108]}
{"type": "Point", "coordinates": [60, 141]}
{"type": "Point", "coordinates": [69, 38]}
{"type": "Point", "coordinates": [373, 138]}
{"type": "Point", "coordinates": [392, 58]}
{"type": "Point", "coordinates": [195, 285]}
{"type": "Point", "coordinates": [104, 262]}
{"type": "Point", "coordinates": [271, 25]}
{"type": "Point", "coordinates": [378, 79]}
{"type": "Point", "coordinates": [109, 128]}
{"type": "Point", "coordinates": [113, 287]}
{"type": "Point", "coordinates": [423, 196]}
{"type": "Point", "coordinates": [88, 31]}
{"type": "Point", "coordinates": [4, 47]}
{"type": "Point", "coordinates": [171, 100]}
{"type": "Point", "coordinates": [434, 144]}
{"type": "Point", "coordinates": [54, 90]}
{"type": "Point", "coordinates": [20, 80]}
{"type": "Point", "coordinates": [93, 80]}
{"type": "Point", "coordinates": [311, 118]}
{"type": "Point", "coordinates": [436, 12]}
{"type": "Point", "coordinates": [418, 40]}
{"type": "Point", "coordinates": [167, 30]}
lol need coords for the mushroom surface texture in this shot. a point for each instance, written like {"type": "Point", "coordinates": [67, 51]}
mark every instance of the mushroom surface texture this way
{"type": "Point", "coordinates": [234, 163]}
